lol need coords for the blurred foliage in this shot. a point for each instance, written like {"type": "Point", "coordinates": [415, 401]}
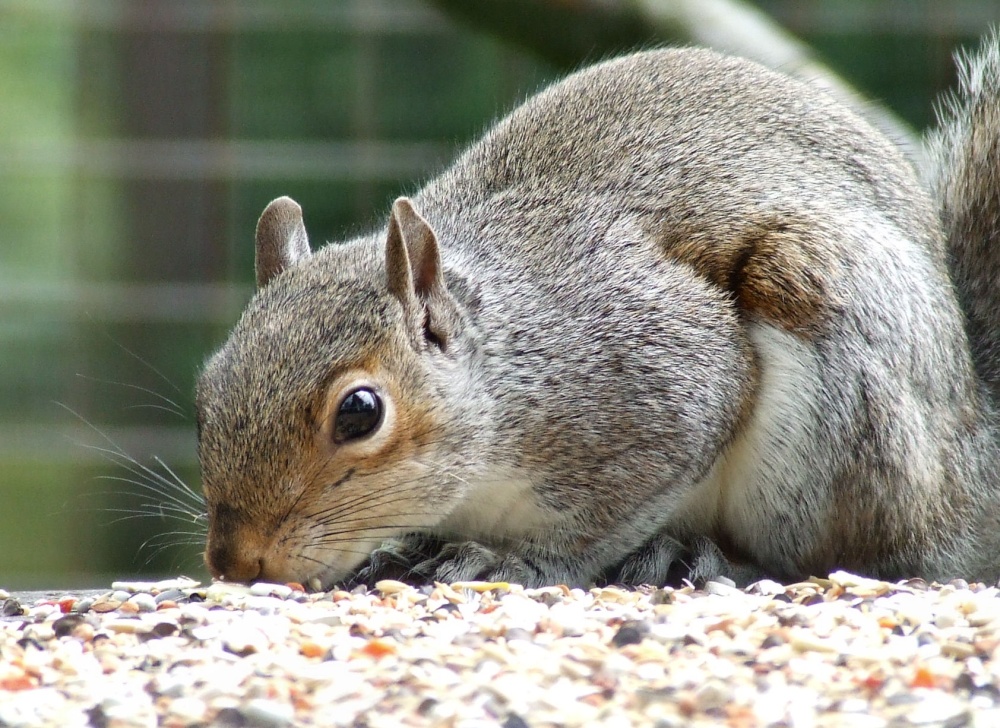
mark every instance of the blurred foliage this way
{"type": "Point", "coordinates": [123, 265]}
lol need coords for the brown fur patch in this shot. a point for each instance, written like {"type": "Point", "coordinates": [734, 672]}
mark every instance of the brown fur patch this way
{"type": "Point", "coordinates": [776, 269]}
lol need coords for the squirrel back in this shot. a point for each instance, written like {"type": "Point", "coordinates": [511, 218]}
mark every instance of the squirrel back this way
{"type": "Point", "coordinates": [676, 299]}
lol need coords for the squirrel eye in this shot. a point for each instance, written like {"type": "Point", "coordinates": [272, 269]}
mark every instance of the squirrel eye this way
{"type": "Point", "coordinates": [359, 414]}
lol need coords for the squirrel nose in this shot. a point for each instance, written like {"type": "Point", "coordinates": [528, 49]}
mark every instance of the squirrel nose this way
{"type": "Point", "coordinates": [233, 564]}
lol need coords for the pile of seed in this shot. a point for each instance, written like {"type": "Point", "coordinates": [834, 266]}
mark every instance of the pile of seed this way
{"type": "Point", "coordinates": [843, 651]}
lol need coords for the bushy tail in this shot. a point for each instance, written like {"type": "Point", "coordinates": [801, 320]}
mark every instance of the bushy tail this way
{"type": "Point", "coordinates": [964, 176]}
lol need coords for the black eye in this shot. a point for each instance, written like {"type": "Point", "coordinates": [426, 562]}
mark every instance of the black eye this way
{"type": "Point", "coordinates": [360, 413]}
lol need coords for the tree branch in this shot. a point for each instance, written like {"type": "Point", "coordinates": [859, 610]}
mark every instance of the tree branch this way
{"type": "Point", "coordinates": [569, 33]}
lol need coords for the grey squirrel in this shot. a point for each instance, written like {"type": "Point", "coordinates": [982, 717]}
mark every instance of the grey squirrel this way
{"type": "Point", "coordinates": [677, 316]}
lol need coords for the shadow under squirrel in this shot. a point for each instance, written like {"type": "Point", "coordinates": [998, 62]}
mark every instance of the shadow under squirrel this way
{"type": "Point", "coordinates": [677, 316]}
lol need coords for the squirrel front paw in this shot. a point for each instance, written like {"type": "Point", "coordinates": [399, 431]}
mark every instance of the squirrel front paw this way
{"type": "Point", "coordinates": [417, 559]}
{"type": "Point", "coordinates": [472, 561]}
{"type": "Point", "coordinates": [663, 560]}
{"type": "Point", "coordinates": [409, 559]}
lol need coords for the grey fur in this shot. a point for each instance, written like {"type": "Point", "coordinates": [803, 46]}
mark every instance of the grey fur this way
{"type": "Point", "coordinates": [690, 313]}
{"type": "Point", "coordinates": [965, 181]}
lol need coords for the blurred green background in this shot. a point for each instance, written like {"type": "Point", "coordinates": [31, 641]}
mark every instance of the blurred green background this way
{"type": "Point", "coordinates": [139, 140]}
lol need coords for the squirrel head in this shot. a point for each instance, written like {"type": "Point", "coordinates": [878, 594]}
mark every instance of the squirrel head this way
{"type": "Point", "coordinates": [318, 425]}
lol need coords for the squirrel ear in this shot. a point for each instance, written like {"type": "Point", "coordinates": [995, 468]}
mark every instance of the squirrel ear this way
{"type": "Point", "coordinates": [281, 239]}
{"type": "Point", "coordinates": [413, 261]}
{"type": "Point", "coordinates": [413, 269]}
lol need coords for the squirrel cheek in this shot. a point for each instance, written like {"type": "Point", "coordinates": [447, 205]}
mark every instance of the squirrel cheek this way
{"type": "Point", "coordinates": [371, 489]}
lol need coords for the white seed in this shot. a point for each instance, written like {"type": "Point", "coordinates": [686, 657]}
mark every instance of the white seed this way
{"type": "Point", "coordinates": [144, 602]}
{"type": "Point", "coordinates": [268, 713]}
